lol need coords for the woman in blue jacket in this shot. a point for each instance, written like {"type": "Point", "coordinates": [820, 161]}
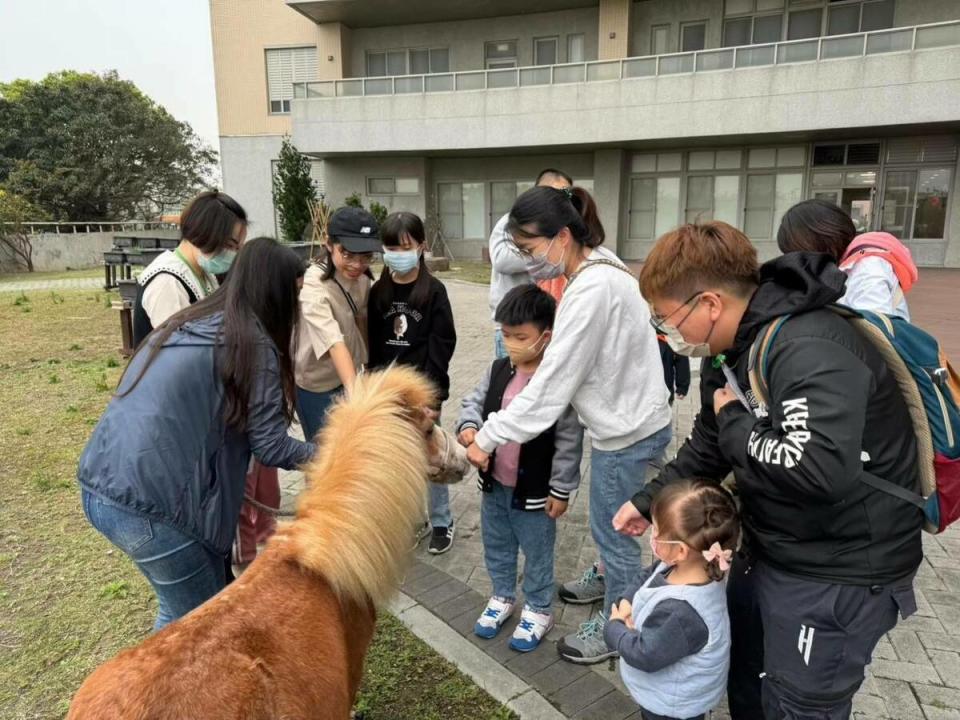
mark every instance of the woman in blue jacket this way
{"type": "Point", "coordinates": [162, 476]}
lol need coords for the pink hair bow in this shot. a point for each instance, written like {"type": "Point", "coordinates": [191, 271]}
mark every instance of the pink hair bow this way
{"type": "Point", "coordinates": [723, 557]}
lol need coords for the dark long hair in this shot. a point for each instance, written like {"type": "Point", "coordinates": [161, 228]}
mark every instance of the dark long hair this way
{"type": "Point", "coordinates": [208, 221]}
{"type": "Point", "coordinates": [816, 226]}
{"type": "Point", "coordinates": [392, 231]}
{"type": "Point", "coordinates": [260, 296]}
{"type": "Point", "coordinates": [550, 210]}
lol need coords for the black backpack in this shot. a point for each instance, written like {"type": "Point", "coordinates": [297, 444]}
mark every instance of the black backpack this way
{"type": "Point", "coordinates": [141, 321]}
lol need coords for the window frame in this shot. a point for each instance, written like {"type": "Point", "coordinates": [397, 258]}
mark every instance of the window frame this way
{"type": "Point", "coordinates": [394, 179]}
{"type": "Point", "coordinates": [429, 49]}
{"type": "Point", "coordinates": [689, 24]}
{"type": "Point", "coordinates": [555, 39]}
{"type": "Point", "coordinates": [285, 103]}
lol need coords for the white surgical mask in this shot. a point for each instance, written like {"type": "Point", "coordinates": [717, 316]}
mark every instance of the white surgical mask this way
{"type": "Point", "coordinates": [539, 268]}
{"type": "Point", "coordinates": [682, 347]}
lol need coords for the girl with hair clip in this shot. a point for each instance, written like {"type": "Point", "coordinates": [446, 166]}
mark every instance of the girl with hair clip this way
{"type": "Point", "coordinates": [604, 361]}
{"type": "Point", "coordinates": [672, 630]}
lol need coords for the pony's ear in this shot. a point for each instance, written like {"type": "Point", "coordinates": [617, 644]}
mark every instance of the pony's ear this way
{"type": "Point", "coordinates": [423, 417]}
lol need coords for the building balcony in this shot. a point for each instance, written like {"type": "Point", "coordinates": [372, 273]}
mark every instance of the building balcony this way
{"type": "Point", "coordinates": [380, 13]}
{"type": "Point", "coordinates": [901, 76]}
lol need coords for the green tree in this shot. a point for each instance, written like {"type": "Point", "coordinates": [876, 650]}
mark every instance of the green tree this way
{"type": "Point", "coordinates": [83, 146]}
{"type": "Point", "coordinates": [293, 192]}
{"type": "Point", "coordinates": [14, 237]}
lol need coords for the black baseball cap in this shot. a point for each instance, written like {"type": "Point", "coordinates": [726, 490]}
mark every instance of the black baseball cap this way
{"type": "Point", "coordinates": [355, 229]}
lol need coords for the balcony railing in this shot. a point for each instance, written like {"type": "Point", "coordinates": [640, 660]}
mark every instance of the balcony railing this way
{"type": "Point", "coordinates": [893, 40]}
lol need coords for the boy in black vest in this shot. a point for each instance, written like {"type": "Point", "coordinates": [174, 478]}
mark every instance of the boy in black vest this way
{"type": "Point", "coordinates": [526, 487]}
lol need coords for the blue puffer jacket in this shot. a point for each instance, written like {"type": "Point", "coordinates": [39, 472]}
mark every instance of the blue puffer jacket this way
{"type": "Point", "coordinates": [164, 450]}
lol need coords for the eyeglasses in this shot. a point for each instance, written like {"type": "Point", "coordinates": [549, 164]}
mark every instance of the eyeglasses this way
{"type": "Point", "coordinates": [355, 258]}
{"type": "Point", "coordinates": [657, 321]}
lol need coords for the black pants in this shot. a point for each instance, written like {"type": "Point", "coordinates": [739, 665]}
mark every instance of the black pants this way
{"type": "Point", "coordinates": [810, 640]}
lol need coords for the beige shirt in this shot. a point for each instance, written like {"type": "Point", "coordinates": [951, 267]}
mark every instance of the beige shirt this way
{"type": "Point", "coordinates": [326, 318]}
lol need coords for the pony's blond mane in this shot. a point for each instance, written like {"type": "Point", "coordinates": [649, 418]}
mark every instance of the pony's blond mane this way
{"type": "Point", "coordinates": [366, 488]}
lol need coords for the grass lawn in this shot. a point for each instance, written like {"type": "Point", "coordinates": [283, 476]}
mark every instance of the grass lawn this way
{"type": "Point", "coordinates": [68, 600]}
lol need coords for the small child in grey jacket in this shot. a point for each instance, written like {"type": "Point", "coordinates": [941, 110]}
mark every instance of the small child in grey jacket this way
{"type": "Point", "coordinates": [525, 487]}
{"type": "Point", "coordinates": [672, 630]}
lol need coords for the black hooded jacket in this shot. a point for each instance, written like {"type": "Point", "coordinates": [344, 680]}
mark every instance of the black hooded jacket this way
{"type": "Point", "coordinates": [835, 414]}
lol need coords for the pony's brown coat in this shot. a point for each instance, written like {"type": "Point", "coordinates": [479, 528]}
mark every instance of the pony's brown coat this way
{"type": "Point", "coordinates": [288, 638]}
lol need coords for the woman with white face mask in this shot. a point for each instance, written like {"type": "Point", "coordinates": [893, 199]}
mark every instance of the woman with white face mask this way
{"type": "Point", "coordinates": [212, 229]}
{"type": "Point", "coordinates": [410, 322]}
{"type": "Point", "coordinates": [604, 361]}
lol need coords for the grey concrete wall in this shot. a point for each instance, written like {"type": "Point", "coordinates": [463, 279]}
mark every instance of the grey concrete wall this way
{"type": "Point", "coordinates": [53, 252]}
{"type": "Point", "coordinates": [648, 13]}
{"type": "Point", "coordinates": [466, 39]}
{"type": "Point", "coordinates": [245, 163]}
{"type": "Point", "coordinates": [345, 176]}
{"type": "Point", "coordinates": [886, 90]}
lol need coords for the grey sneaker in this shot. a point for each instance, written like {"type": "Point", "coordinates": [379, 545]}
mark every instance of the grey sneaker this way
{"type": "Point", "coordinates": [586, 646]}
{"type": "Point", "coordinates": [588, 589]}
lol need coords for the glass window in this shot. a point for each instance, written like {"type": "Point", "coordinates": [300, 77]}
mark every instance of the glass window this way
{"type": "Point", "coordinates": [397, 62]}
{"type": "Point", "coordinates": [699, 198]}
{"type": "Point", "coordinates": [764, 5]}
{"type": "Point", "coordinates": [450, 201]}
{"type": "Point", "coordinates": [830, 179]}
{"type": "Point", "coordinates": [286, 66]}
{"type": "Point", "coordinates": [757, 214]}
{"type": "Point", "coordinates": [644, 163]}
{"type": "Point", "coordinates": [767, 29]}
{"type": "Point", "coordinates": [790, 157]}
{"type": "Point", "coordinates": [726, 198]}
{"type": "Point", "coordinates": [643, 205]}
{"type": "Point", "coordinates": [407, 185]}
{"type": "Point", "coordinates": [501, 54]}
{"type": "Point", "coordinates": [440, 60]}
{"type": "Point", "coordinates": [789, 193]}
{"type": "Point", "coordinates": [863, 154]}
{"type": "Point", "coordinates": [737, 31]}
{"type": "Point", "coordinates": [473, 211]}
{"type": "Point", "coordinates": [728, 159]}
{"type": "Point", "coordinates": [668, 204]}
{"type": "Point", "coordinates": [898, 195]}
{"type": "Point", "coordinates": [545, 51]}
{"type": "Point", "coordinates": [804, 24]}
{"type": "Point", "coordinates": [381, 186]}
{"type": "Point", "coordinates": [829, 154]}
{"type": "Point", "coordinates": [932, 191]}
{"type": "Point", "coordinates": [668, 162]}
{"type": "Point", "coordinates": [860, 179]}
{"type": "Point", "coordinates": [376, 64]}
{"type": "Point", "coordinates": [693, 36]}
{"type": "Point", "coordinates": [843, 19]}
{"type": "Point", "coordinates": [502, 195]}
{"type": "Point", "coordinates": [575, 48]}
{"type": "Point", "coordinates": [419, 62]}
{"type": "Point", "coordinates": [877, 15]}
{"type": "Point", "coordinates": [700, 160]}
{"type": "Point", "coordinates": [659, 39]}
{"type": "Point", "coordinates": [762, 157]}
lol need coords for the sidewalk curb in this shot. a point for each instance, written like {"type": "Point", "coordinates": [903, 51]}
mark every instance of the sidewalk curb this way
{"type": "Point", "coordinates": [503, 685]}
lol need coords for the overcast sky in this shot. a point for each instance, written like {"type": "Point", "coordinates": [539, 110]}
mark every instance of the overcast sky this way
{"type": "Point", "coordinates": [162, 46]}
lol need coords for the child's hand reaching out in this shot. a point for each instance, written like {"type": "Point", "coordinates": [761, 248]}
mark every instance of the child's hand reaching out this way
{"type": "Point", "coordinates": [624, 612]}
{"type": "Point", "coordinates": [466, 437]}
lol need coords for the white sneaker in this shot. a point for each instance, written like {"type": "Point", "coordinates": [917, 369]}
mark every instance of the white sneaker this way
{"type": "Point", "coordinates": [493, 617]}
{"type": "Point", "coordinates": [532, 629]}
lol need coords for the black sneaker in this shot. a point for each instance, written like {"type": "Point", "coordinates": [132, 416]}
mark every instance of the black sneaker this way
{"type": "Point", "coordinates": [441, 541]}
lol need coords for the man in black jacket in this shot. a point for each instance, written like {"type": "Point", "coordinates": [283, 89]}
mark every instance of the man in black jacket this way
{"type": "Point", "coordinates": [827, 561]}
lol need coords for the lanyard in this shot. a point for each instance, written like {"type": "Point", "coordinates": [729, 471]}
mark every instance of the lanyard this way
{"type": "Point", "coordinates": [735, 386]}
{"type": "Point", "coordinates": [350, 301]}
{"type": "Point", "coordinates": [204, 285]}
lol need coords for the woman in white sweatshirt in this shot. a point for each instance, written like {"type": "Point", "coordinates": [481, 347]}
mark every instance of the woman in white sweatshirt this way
{"type": "Point", "coordinates": [604, 361]}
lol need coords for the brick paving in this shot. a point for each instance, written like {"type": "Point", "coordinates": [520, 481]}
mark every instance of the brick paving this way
{"type": "Point", "coordinates": [62, 284]}
{"type": "Point", "coordinates": [916, 669]}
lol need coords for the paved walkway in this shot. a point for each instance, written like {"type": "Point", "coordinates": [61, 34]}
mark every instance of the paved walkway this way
{"type": "Point", "coordinates": [62, 284]}
{"type": "Point", "coordinates": [916, 669]}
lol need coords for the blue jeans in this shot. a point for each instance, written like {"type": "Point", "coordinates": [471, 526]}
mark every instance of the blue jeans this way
{"type": "Point", "coordinates": [312, 409]}
{"type": "Point", "coordinates": [615, 477]}
{"type": "Point", "coordinates": [507, 530]}
{"type": "Point", "coordinates": [184, 574]}
{"type": "Point", "coordinates": [499, 349]}
{"type": "Point", "coordinates": [440, 515]}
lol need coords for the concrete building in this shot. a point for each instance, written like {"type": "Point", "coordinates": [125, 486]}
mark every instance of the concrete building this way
{"type": "Point", "coordinates": [669, 110]}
